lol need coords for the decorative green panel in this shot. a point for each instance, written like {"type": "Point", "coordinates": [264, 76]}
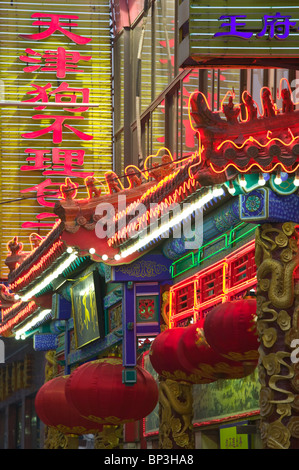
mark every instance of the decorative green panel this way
{"type": "Point", "coordinates": [225, 398]}
{"type": "Point", "coordinates": [183, 264]}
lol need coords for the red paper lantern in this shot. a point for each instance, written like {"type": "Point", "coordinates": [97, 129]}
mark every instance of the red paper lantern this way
{"type": "Point", "coordinates": [57, 412]}
{"type": "Point", "coordinates": [204, 361]}
{"type": "Point", "coordinates": [230, 329]}
{"type": "Point", "coordinates": [163, 355]}
{"type": "Point", "coordinates": [97, 391]}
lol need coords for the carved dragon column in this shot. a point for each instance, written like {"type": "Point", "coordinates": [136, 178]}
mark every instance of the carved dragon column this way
{"type": "Point", "coordinates": [175, 414]}
{"type": "Point", "coordinates": [277, 257]}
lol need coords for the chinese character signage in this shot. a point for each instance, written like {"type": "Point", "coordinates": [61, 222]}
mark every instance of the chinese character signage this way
{"type": "Point", "coordinates": [56, 69]}
{"type": "Point", "coordinates": [61, 62]}
{"type": "Point", "coordinates": [236, 34]}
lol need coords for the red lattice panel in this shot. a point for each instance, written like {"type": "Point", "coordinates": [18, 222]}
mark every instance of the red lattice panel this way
{"type": "Point", "coordinates": [242, 269]}
{"type": "Point", "coordinates": [184, 298]}
{"type": "Point", "coordinates": [210, 285]}
{"type": "Point", "coordinates": [205, 311]}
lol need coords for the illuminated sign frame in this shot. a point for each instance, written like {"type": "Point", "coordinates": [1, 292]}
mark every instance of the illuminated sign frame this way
{"type": "Point", "coordinates": [228, 33]}
{"type": "Point", "coordinates": [87, 309]}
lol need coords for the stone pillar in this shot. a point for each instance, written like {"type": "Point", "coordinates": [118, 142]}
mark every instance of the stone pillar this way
{"type": "Point", "coordinates": [175, 415]}
{"type": "Point", "coordinates": [277, 257]}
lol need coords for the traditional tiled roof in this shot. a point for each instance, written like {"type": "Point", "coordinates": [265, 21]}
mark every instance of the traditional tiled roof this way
{"type": "Point", "coordinates": [15, 315]}
{"type": "Point", "coordinates": [38, 260]}
{"type": "Point", "coordinates": [180, 184]}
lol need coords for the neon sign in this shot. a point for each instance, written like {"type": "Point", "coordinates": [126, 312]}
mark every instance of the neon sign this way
{"type": "Point", "coordinates": [273, 26]}
{"type": "Point", "coordinates": [55, 161]}
{"type": "Point", "coordinates": [55, 25]}
{"type": "Point", "coordinates": [225, 280]}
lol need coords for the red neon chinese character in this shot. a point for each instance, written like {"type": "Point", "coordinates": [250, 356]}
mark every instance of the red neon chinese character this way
{"type": "Point", "coordinates": [61, 61]}
{"type": "Point", "coordinates": [41, 216]}
{"type": "Point", "coordinates": [38, 159]}
{"type": "Point", "coordinates": [43, 192]}
{"type": "Point", "coordinates": [55, 25]}
{"type": "Point", "coordinates": [64, 162]}
{"type": "Point", "coordinates": [46, 215]}
{"type": "Point", "coordinates": [56, 128]}
{"type": "Point", "coordinates": [42, 94]}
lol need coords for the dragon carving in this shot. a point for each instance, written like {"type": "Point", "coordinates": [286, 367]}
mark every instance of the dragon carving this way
{"type": "Point", "coordinates": [176, 430]}
{"type": "Point", "coordinates": [277, 259]}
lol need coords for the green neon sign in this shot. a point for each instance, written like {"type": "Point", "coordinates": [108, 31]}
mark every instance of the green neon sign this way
{"type": "Point", "coordinates": [191, 260]}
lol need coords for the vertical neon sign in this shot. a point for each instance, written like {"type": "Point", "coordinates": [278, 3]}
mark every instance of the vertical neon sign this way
{"type": "Point", "coordinates": [55, 161]}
